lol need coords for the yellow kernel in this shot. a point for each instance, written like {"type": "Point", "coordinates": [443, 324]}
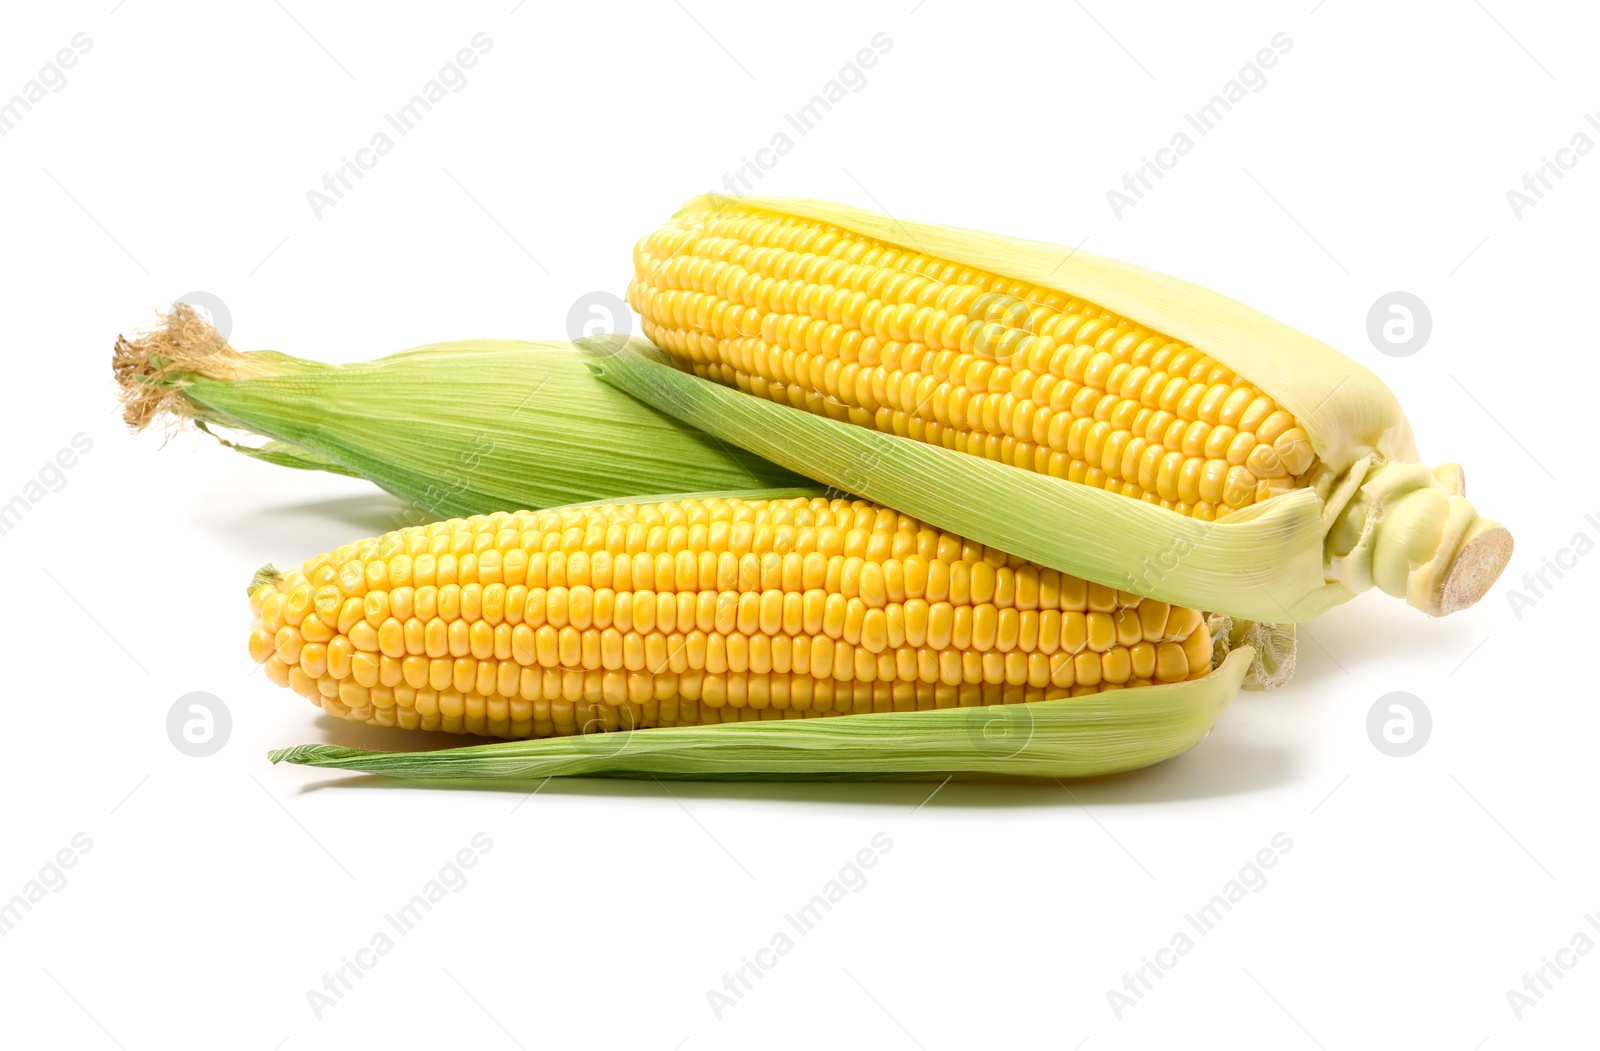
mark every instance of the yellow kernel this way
{"type": "Point", "coordinates": [1142, 659]}
{"type": "Point", "coordinates": [314, 659]}
{"type": "Point", "coordinates": [1102, 631]}
{"type": "Point", "coordinates": [1294, 450]}
{"type": "Point", "coordinates": [1087, 668]}
{"type": "Point", "coordinates": [1172, 664]}
{"type": "Point", "coordinates": [261, 646]}
{"type": "Point", "coordinates": [1197, 653]}
{"type": "Point", "coordinates": [1182, 622]}
{"type": "Point", "coordinates": [1116, 666]}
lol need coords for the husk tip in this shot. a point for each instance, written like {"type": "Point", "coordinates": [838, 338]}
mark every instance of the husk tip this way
{"type": "Point", "coordinates": [297, 754]}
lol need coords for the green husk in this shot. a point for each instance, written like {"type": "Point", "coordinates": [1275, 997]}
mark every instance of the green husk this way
{"type": "Point", "coordinates": [453, 429]}
{"type": "Point", "coordinates": [284, 454]}
{"type": "Point", "coordinates": [1264, 563]}
{"type": "Point", "coordinates": [1101, 733]}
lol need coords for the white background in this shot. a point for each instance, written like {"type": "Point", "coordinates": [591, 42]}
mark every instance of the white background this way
{"type": "Point", "coordinates": [218, 891]}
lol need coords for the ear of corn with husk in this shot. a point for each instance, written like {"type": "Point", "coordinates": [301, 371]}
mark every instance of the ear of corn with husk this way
{"type": "Point", "coordinates": [736, 638]}
{"type": "Point", "coordinates": [456, 428]}
{"type": "Point", "coordinates": [1132, 428]}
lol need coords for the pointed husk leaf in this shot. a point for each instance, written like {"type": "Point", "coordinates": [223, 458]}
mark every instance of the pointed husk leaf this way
{"type": "Point", "coordinates": [1100, 733]}
{"type": "Point", "coordinates": [287, 454]}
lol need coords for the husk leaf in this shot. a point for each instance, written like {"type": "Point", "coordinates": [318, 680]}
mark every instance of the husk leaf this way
{"type": "Point", "coordinates": [458, 428]}
{"type": "Point", "coordinates": [284, 454]}
{"type": "Point", "coordinates": [1262, 564]}
{"type": "Point", "coordinates": [1101, 733]}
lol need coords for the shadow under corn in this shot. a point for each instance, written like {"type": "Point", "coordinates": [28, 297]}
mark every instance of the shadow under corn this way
{"type": "Point", "coordinates": [371, 513]}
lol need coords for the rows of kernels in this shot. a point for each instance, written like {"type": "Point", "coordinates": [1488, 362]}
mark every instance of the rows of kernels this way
{"type": "Point", "coordinates": [532, 623]}
{"type": "Point", "coordinates": [808, 315]}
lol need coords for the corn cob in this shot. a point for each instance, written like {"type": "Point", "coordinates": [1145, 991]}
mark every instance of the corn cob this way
{"type": "Point", "coordinates": [885, 337]}
{"type": "Point", "coordinates": [1065, 366]}
{"type": "Point", "coordinates": [696, 611]}
{"type": "Point", "coordinates": [452, 428]}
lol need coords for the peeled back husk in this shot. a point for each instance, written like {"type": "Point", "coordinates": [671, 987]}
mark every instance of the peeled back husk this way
{"type": "Point", "coordinates": [1370, 517]}
{"type": "Point", "coordinates": [458, 428]}
{"type": "Point", "coordinates": [1101, 733]}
